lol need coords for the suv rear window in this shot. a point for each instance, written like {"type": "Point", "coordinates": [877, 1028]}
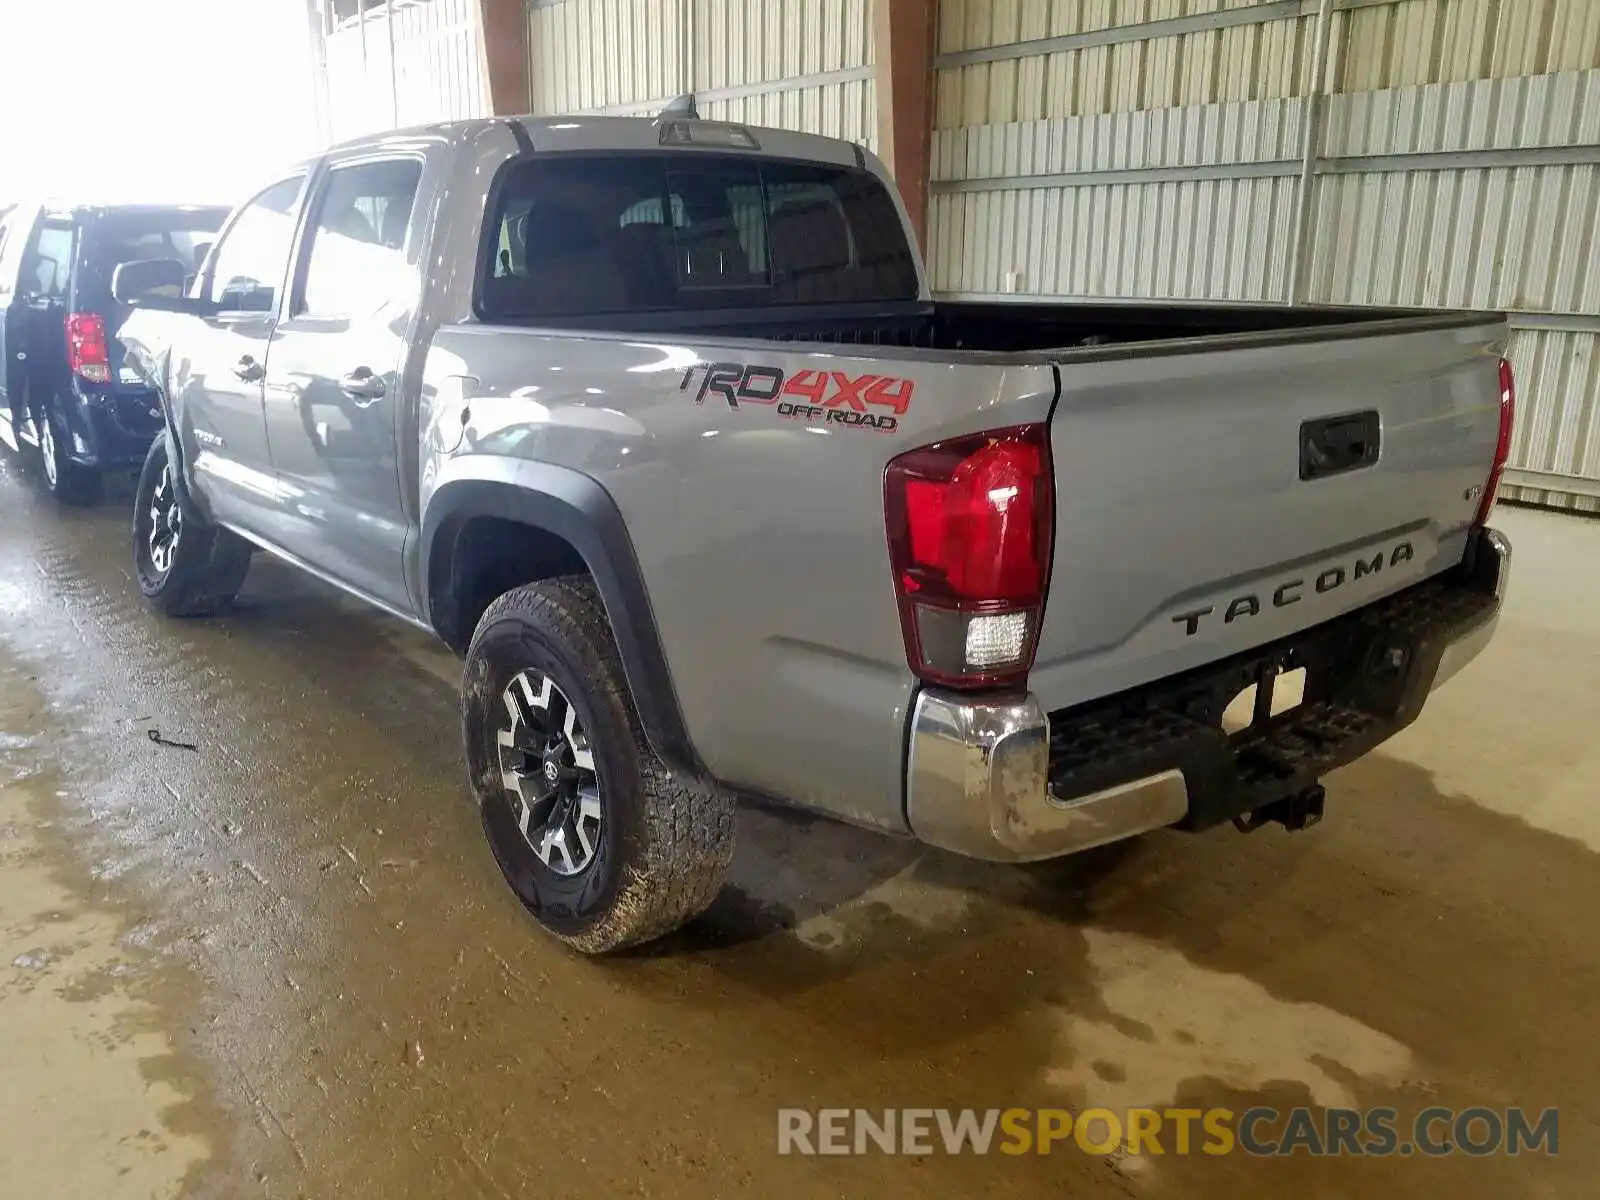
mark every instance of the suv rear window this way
{"type": "Point", "coordinates": [114, 238]}
{"type": "Point", "coordinates": [584, 236]}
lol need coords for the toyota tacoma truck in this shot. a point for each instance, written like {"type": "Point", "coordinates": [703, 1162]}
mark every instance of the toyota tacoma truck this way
{"type": "Point", "coordinates": [657, 423]}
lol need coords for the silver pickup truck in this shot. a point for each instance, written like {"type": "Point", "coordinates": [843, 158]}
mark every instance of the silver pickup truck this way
{"type": "Point", "coordinates": [657, 423]}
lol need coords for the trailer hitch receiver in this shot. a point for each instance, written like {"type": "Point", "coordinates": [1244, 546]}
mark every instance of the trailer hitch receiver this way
{"type": "Point", "coordinates": [1299, 811]}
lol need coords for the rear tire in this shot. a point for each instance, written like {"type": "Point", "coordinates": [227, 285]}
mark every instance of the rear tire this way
{"type": "Point", "coordinates": [186, 566]}
{"type": "Point", "coordinates": [64, 479]}
{"type": "Point", "coordinates": [600, 840]}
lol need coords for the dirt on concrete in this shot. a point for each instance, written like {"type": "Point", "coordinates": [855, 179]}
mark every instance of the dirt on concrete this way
{"type": "Point", "coordinates": [283, 964]}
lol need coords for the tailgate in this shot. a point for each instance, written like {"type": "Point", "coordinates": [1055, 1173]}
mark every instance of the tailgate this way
{"type": "Point", "coordinates": [1184, 529]}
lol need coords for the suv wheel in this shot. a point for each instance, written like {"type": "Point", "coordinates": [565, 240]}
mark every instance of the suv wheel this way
{"type": "Point", "coordinates": [602, 843]}
{"type": "Point", "coordinates": [63, 478]}
{"type": "Point", "coordinates": [186, 566]}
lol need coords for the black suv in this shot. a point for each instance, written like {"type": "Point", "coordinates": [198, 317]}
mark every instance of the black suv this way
{"type": "Point", "coordinates": [63, 387]}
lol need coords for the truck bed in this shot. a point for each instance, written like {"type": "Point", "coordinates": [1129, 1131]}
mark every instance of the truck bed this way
{"type": "Point", "coordinates": [1019, 328]}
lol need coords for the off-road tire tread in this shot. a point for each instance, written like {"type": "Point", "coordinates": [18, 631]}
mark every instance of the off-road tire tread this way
{"type": "Point", "coordinates": [688, 824]}
{"type": "Point", "coordinates": [212, 565]}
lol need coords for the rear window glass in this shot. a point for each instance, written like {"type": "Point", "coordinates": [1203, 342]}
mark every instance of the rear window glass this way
{"type": "Point", "coordinates": [117, 238]}
{"type": "Point", "coordinates": [587, 236]}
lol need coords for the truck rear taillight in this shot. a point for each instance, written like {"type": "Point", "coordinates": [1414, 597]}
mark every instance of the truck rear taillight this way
{"type": "Point", "coordinates": [970, 525]}
{"type": "Point", "coordinates": [86, 347]}
{"type": "Point", "coordinates": [1502, 446]}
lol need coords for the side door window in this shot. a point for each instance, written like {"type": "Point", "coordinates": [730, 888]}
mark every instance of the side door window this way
{"type": "Point", "coordinates": [48, 266]}
{"type": "Point", "coordinates": [249, 265]}
{"type": "Point", "coordinates": [357, 256]}
{"type": "Point", "coordinates": [8, 264]}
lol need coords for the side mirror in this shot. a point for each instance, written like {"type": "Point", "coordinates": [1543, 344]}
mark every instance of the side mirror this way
{"type": "Point", "coordinates": [150, 283]}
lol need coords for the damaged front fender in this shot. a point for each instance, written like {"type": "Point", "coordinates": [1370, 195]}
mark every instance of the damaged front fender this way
{"type": "Point", "coordinates": [148, 339]}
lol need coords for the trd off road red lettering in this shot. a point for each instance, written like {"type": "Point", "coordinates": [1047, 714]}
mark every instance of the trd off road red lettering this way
{"type": "Point", "coordinates": [831, 397]}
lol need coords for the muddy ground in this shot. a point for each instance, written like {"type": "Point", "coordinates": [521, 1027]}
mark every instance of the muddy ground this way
{"type": "Point", "coordinates": [284, 964]}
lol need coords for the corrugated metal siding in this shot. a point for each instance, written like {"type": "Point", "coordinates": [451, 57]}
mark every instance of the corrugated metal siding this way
{"type": "Point", "coordinates": [1495, 238]}
{"type": "Point", "coordinates": [971, 24]}
{"type": "Point", "coordinates": [1557, 432]}
{"type": "Point", "coordinates": [359, 97]}
{"type": "Point", "coordinates": [589, 54]}
{"type": "Point", "coordinates": [1433, 41]}
{"type": "Point", "coordinates": [1191, 239]}
{"type": "Point", "coordinates": [764, 41]}
{"type": "Point", "coordinates": [1164, 137]}
{"type": "Point", "coordinates": [633, 56]}
{"type": "Point", "coordinates": [435, 71]}
{"type": "Point", "coordinates": [1268, 60]}
{"type": "Point", "coordinates": [1560, 109]}
{"type": "Point", "coordinates": [1198, 239]}
{"type": "Point", "coordinates": [1550, 498]}
{"type": "Point", "coordinates": [440, 72]}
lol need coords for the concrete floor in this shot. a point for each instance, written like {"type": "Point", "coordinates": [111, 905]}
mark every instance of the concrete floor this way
{"type": "Point", "coordinates": [284, 964]}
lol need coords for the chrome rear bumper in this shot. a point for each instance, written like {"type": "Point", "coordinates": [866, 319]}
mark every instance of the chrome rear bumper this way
{"type": "Point", "coordinates": [978, 771]}
{"type": "Point", "coordinates": [1462, 651]}
{"type": "Point", "coordinates": [977, 785]}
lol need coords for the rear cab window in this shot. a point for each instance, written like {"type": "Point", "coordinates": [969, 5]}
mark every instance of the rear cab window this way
{"type": "Point", "coordinates": [582, 235]}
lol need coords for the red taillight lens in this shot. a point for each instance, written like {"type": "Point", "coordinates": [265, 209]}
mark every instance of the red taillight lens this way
{"type": "Point", "coordinates": [86, 347]}
{"type": "Point", "coordinates": [1502, 446]}
{"type": "Point", "coordinates": [970, 524]}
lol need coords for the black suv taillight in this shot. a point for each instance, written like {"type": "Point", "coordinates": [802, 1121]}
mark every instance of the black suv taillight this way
{"type": "Point", "coordinates": [86, 347]}
{"type": "Point", "coordinates": [970, 525]}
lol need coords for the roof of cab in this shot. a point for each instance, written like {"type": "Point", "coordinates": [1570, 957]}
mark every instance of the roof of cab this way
{"type": "Point", "coordinates": [638, 134]}
{"type": "Point", "coordinates": [59, 210]}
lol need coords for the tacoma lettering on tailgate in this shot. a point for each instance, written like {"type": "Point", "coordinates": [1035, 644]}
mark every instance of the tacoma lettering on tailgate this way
{"type": "Point", "coordinates": [1290, 591]}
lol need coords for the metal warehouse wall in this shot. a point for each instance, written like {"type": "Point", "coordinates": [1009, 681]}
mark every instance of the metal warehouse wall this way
{"type": "Point", "coordinates": [1394, 152]}
{"type": "Point", "coordinates": [797, 64]}
{"type": "Point", "coordinates": [399, 63]}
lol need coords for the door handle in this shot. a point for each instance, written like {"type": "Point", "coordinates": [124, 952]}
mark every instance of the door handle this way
{"type": "Point", "coordinates": [249, 370]}
{"type": "Point", "coordinates": [362, 384]}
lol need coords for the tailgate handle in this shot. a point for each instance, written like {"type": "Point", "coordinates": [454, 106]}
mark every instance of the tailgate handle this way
{"type": "Point", "coordinates": [1334, 445]}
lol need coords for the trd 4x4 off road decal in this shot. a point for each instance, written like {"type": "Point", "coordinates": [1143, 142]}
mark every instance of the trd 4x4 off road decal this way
{"type": "Point", "coordinates": [829, 397]}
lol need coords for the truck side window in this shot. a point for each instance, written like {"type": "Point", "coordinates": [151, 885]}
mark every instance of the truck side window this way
{"type": "Point", "coordinates": [358, 260]}
{"type": "Point", "coordinates": [250, 262]}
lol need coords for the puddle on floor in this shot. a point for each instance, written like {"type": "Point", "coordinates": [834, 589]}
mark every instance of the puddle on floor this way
{"type": "Point", "coordinates": [1175, 1022]}
{"type": "Point", "coordinates": [96, 1101]}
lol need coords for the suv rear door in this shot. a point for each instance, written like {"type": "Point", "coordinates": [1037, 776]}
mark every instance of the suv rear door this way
{"type": "Point", "coordinates": [35, 338]}
{"type": "Point", "coordinates": [16, 226]}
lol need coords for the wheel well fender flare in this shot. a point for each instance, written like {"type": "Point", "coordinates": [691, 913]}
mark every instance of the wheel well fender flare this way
{"type": "Point", "coordinates": [577, 509]}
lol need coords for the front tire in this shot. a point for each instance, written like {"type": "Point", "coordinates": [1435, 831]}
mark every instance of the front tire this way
{"type": "Point", "coordinates": [186, 566]}
{"type": "Point", "coordinates": [600, 840]}
{"type": "Point", "coordinates": [64, 479]}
